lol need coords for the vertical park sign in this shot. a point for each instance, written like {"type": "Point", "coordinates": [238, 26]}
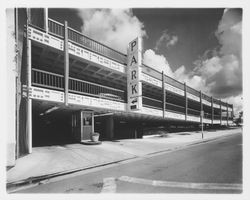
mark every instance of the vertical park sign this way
{"type": "Point", "coordinates": [133, 74]}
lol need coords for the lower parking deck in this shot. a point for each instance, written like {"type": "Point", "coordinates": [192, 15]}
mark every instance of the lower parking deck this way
{"type": "Point", "coordinates": [57, 124]}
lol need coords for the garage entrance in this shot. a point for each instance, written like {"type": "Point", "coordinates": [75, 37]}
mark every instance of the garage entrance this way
{"type": "Point", "coordinates": [54, 124]}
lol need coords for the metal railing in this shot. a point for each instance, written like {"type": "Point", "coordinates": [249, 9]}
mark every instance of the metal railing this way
{"type": "Point", "coordinates": [174, 82]}
{"type": "Point", "coordinates": [193, 91]}
{"type": "Point", "coordinates": [207, 98]}
{"type": "Point", "coordinates": [78, 38]}
{"type": "Point", "coordinates": [50, 80]}
{"type": "Point", "coordinates": [56, 28]}
{"type": "Point", "coordinates": [194, 112]}
{"type": "Point", "coordinates": [217, 117]}
{"type": "Point", "coordinates": [175, 108]}
{"type": "Point", "coordinates": [93, 89]}
{"type": "Point", "coordinates": [55, 81]}
{"type": "Point", "coordinates": [152, 103]}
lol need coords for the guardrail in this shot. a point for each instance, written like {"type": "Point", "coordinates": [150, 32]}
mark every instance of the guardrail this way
{"type": "Point", "coordinates": [175, 108]}
{"type": "Point", "coordinates": [152, 103]}
{"type": "Point", "coordinates": [78, 38]}
{"type": "Point", "coordinates": [47, 79]}
{"type": "Point", "coordinates": [193, 112]}
{"type": "Point", "coordinates": [55, 81]}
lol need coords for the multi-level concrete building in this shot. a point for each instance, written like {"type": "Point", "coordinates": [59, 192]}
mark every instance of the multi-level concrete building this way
{"type": "Point", "coordinates": [67, 85]}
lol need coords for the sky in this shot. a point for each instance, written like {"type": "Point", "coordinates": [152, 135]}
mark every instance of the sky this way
{"type": "Point", "coordinates": [201, 47]}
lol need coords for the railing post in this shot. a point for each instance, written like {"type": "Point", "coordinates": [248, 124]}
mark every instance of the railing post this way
{"type": "Point", "coordinates": [66, 64]}
{"type": "Point", "coordinates": [163, 94]}
{"type": "Point", "coordinates": [212, 113]}
{"type": "Point", "coordinates": [186, 101]}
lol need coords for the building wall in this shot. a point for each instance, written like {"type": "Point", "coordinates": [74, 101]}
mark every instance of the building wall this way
{"type": "Point", "coordinates": [11, 90]}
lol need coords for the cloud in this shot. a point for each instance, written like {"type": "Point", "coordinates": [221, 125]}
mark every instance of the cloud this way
{"type": "Point", "coordinates": [158, 62]}
{"type": "Point", "coordinates": [166, 39]}
{"type": "Point", "coordinates": [219, 71]}
{"type": "Point", "coordinates": [113, 27]}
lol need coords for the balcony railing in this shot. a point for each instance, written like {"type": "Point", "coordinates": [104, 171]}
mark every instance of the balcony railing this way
{"type": "Point", "coordinates": [55, 81]}
{"type": "Point", "coordinates": [193, 112]}
{"type": "Point", "coordinates": [175, 108]}
{"type": "Point", "coordinates": [152, 103]}
{"type": "Point", "coordinates": [78, 38]}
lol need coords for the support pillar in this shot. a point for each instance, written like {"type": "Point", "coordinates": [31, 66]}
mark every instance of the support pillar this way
{"type": "Point", "coordinates": [29, 100]}
{"type": "Point", "coordinates": [163, 94]}
{"type": "Point", "coordinates": [212, 110]}
{"type": "Point", "coordinates": [220, 113]}
{"type": "Point", "coordinates": [186, 101]}
{"type": "Point", "coordinates": [227, 114]}
{"type": "Point", "coordinates": [66, 64]}
{"type": "Point", "coordinates": [201, 105]}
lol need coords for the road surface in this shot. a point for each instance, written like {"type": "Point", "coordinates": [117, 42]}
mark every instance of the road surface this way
{"type": "Point", "coordinates": [211, 167]}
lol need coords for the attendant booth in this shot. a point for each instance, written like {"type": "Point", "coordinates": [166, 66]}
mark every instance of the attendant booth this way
{"type": "Point", "coordinates": [82, 125]}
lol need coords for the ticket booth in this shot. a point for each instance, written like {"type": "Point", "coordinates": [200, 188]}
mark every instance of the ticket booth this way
{"type": "Point", "coordinates": [82, 125]}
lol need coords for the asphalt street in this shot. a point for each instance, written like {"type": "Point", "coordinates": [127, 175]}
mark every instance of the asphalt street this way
{"type": "Point", "coordinates": [211, 167]}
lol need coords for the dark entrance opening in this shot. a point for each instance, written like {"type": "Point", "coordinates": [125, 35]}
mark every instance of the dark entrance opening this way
{"type": "Point", "coordinates": [51, 125]}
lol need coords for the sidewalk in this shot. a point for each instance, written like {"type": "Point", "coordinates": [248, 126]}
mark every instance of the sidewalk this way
{"type": "Point", "coordinates": [47, 162]}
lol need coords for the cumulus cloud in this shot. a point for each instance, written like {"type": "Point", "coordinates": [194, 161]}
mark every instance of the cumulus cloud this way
{"type": "Point", "coordinates": [166, 39]}
{"type": "Point", "coordinates": [113, 27]}
{"type": "Point", "coordinates": [158, 62]}
{"type": "Point", "coordinates": [219, 71]}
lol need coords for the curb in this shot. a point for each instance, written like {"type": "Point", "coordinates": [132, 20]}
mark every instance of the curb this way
{"type": "Point", "coordinates": [17, 185]}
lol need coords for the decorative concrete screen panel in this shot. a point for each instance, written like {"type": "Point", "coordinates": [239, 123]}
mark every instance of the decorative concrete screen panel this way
{"type": "Point", "coordinates": [134, 75]}
{"type": "Point", "coordinates": [224, 122]}
{"type": "Point", "coordinates": [57, 43]}
{"type": "Point", "coordinates": [208, 121]}
{"type": "Point", "coordinates": [96, 102]}
{"type": "Point", "coordinates": [193, 118]}
{"type": "Point", "coordinates": [206, 102]}
{"type": "Point", "coordinates": [44, 38]}
{"type": "Point", "coordinates": [216, 121]}
{"type": "Point", "coordinates": [150, 111]}
{"type": "Point", "coordinates": [216, 105]}
{"type": "Point", "coordinates": [46, 94]}
{"type": "Point", "coordinates": [223, 107]}
{"type": "Point", "coordinates": [193, 97]}
{"type": "Point", "coordinates": [174, 115]}
{"type": "Point", "coordinates": [174, 89]}
{"type": "Point", "coordinates": [93, 57]}
{"type": "Point", "coordinates": [151, 80]}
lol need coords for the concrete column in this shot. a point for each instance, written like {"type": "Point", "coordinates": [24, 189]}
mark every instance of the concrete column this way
{"type": "Point", "coordinates": [186, 101]}
{"type": "Point", "coordinates": [201, 105]}
{"type": "Point", "coordinates": [46, 20]}
{"type": "Point", "coordinates": [220, 113]}
{"type": "Point", "coordinates": [66, 64]}
{"type": "Point", "coordinates": [212, 112]}
{"type": "Point", "coordinates": [29, 100]}
{"type": "Point", "coordinates": [163, 94]}
{"type": "Point", "coordinates": [227, 114]}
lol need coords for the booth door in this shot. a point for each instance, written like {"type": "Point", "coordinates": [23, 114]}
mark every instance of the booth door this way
{"type": "Point", "coordinates": [87, 125]}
